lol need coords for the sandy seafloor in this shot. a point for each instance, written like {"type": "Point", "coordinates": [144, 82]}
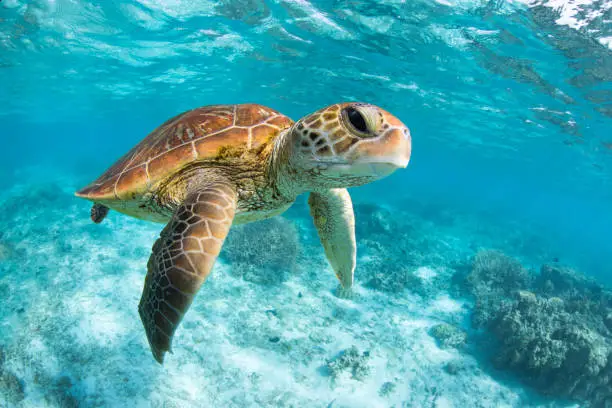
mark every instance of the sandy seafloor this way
{"type": "Point", "coordinates": [71, 334]}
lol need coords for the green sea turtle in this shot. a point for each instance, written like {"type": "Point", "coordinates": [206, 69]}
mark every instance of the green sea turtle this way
{"type": "Point", "coordinates": [212, 167]}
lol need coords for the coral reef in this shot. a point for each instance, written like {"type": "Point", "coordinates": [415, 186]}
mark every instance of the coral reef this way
{"type": "Point", "coordinates": [561, 281]}
{"type": "Point", "coordinates": [494, 276]}
{"type": "Point", "coordinates": [494, 271]}
{"type": "Point", "coordinates": [554, 349]}
{"type": "Point", "coordinates": [448, 336]}
{"type": "Point", "coordinates": [553, 330]}
{"type": "Point", "coordinates": [395, 246]}
{"type": "Point", "coordinates": [387, 389]}
{"type": "Point", "coordinates": [264, 252]}
{"type": "Point", "coordinates": [11, 387]}
{"type": "Point", "coordinates": [350, 361]}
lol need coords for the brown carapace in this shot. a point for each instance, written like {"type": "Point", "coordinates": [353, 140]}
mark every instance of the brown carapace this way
{"type": "Point", "coordinates": [204, 133]}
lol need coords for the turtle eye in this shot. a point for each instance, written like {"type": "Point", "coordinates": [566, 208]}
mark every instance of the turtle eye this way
{"type": "Point", "coordinates": [356, 119]}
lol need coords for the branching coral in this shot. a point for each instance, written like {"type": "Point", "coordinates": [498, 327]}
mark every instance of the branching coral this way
{"type": "Point", "coordinates": [494, 271]}
{"type": "Point", "coordinates": [448, 336]}
{"type": "Point", "coordinates": [262, 252]}
{"type": "Point", "coordinates": [351, 361]}
{"type": "Point", "coordinates": [493, 278]}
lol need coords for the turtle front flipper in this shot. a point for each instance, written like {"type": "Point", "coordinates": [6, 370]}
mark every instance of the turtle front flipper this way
{"type": "Point", "coordinates": [332, 212]}
{"type": "Point", "coordinates": [182, 259]}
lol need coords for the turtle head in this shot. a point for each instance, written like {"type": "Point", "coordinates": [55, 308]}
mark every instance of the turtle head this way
{"type": "Point", "coordinates": [350, 144]}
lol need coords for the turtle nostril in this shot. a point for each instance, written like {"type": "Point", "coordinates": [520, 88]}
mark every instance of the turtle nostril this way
{"type": "Point", "coordinates": [406, 134]}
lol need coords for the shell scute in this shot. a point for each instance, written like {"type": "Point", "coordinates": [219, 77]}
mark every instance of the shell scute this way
{"type": "Point", "coordinates": [197, 135]}
{"type": "Point", "coordinates": [125, 187]}
{"type": "Point", "coordinates": [173, 158]}
{"type": "Point", "coordinates": [252, 114]}
{"type": "Point", "coordinates": [260, 134]}
{"type": "Point", "coordinates": [212, 145]}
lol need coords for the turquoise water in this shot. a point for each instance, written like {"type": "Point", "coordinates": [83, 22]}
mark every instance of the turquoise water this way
{"type": "Point", "coordinates": [509, 104]}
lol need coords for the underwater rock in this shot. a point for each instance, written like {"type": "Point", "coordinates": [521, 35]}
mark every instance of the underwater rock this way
{"type": "Point", "coordinates": [552, 331]}
{"type": "Point", "coordinates": [263, 252]}
{"type": "Point", "coordinates": [351, 361]}
{"type": "Point", "coordinates": [448, 336]}
{"type": "Point", "coordinates": [373, 219]}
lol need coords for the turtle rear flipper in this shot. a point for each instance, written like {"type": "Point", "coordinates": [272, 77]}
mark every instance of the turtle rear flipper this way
{"type": "Point", "coordinates": [182, 259]}
{"type": "Point", "coordinates": [98, 213]}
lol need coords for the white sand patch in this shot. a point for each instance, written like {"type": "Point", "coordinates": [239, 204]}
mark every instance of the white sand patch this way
{"type": "Point", "coordinates": [98, 323]}
{"type": "Point", "coordinates": [426, 273]}
{"type": "Point", "coordinates": [445, 304]}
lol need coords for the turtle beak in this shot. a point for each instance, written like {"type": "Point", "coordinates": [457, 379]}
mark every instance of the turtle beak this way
{"type": "Point", "coordinates": [378, 169]}
{"type": "Point", "coordinates": [383, 155]}
{"type": "Point", "coordinates": [395, 162]}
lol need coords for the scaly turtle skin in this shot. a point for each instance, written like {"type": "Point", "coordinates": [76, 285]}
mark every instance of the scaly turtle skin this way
{"type": "Point", "coordinates": [210, 168]}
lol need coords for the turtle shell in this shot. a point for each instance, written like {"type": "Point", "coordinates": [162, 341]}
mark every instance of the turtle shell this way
{"type": "Point", "coordinates": [197, 135]}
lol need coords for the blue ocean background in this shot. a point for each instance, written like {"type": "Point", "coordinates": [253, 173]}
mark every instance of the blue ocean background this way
{"type": "Point", "coordinates": [510, 108]}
